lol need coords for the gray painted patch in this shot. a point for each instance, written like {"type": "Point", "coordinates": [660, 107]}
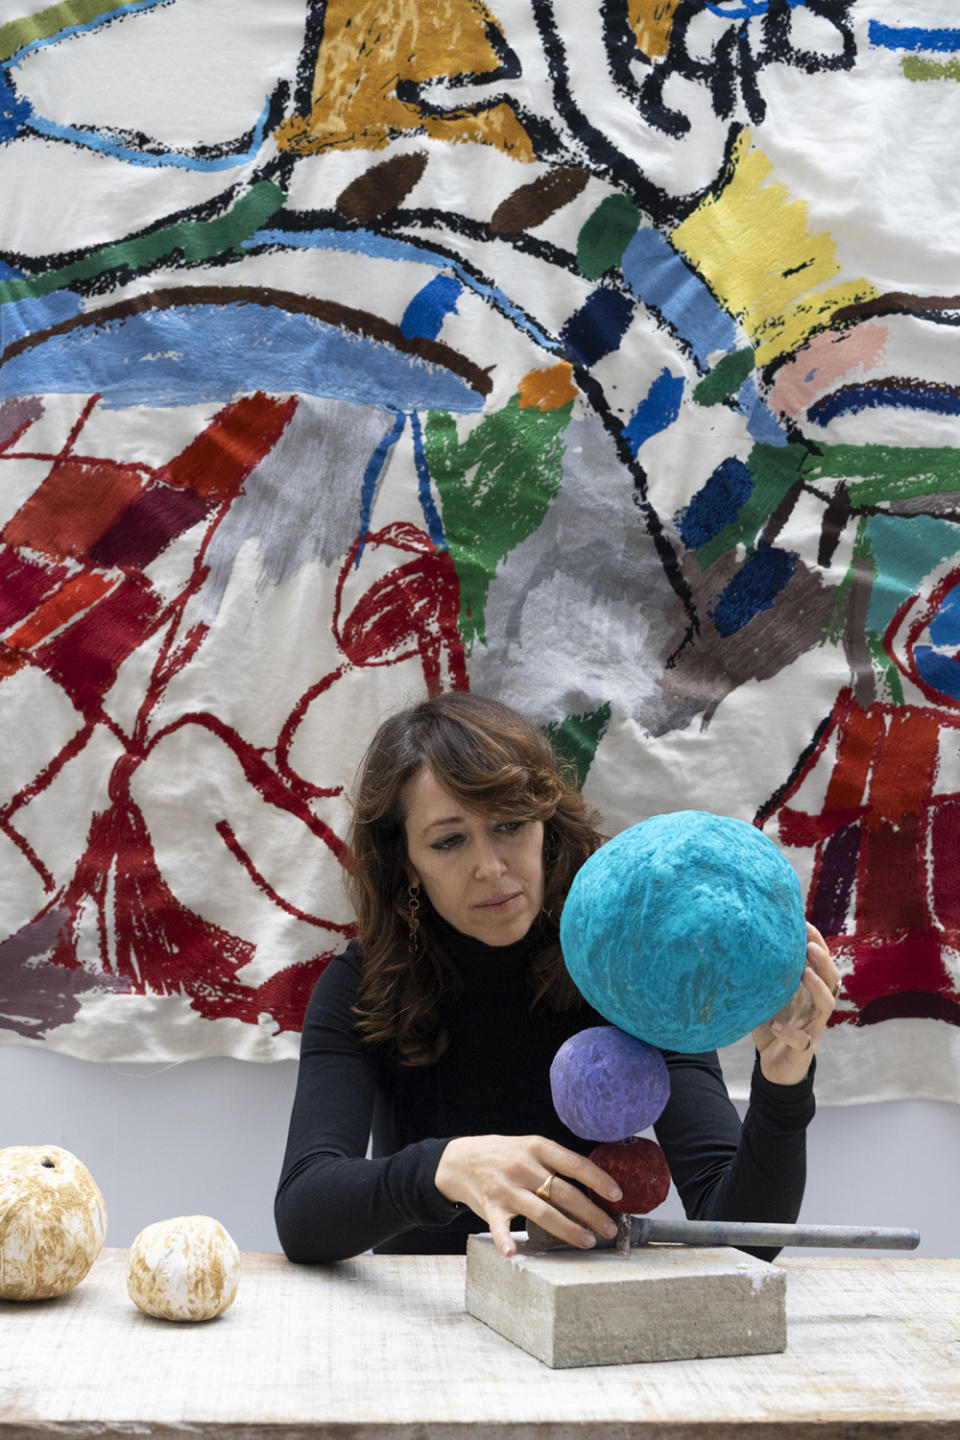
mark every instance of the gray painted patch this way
{"type": "Point", "coordinates": [302, 503]}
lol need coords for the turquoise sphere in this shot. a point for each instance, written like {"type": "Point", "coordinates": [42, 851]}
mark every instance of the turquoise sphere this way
{"type": "Point", "coordinates": [686, 930]}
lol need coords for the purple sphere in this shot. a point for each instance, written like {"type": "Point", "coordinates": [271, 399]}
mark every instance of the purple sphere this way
{"type": "Point", "coordinates": [606, 1085]}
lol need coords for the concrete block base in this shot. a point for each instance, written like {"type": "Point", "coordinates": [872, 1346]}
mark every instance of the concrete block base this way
{"type": "Point", "coordinates": [660, 1302]}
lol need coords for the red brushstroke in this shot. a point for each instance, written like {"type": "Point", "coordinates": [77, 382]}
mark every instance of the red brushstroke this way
{"type": "Point", "coordinates": [73, 506]}
{"type": "Point", "coordinates": [410, 611]}
{"type": "Point", "coordinates": [24, 584]}
{"type": "Point", "coordinates": [217, 462]}
{"type": "Point", "coordinates": [225, 831]}
{"type": "Point", "coordinates": [886, 856]}
{"type": "Point", "coordinates": [151, 940]}
{"type": "Point", "coordinates": [81, 611]}
{"type": "Point", "coordinates": [70, 601]}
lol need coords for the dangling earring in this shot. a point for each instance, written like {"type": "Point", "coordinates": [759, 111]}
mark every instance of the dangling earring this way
{"type": "Point", "coordinates": [413, 905]}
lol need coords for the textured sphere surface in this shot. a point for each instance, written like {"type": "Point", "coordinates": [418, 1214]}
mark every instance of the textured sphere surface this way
{"type": "Point", "coordinates": [187, 1268]}
{"type": "Point", "coordinates": [606, 1084]}
{"type": "Point", "coordinates": [640, 1168]}
{"type": "Point", "coordinates": [686, 930]}
{"type": "Point", "coordinates": [52, 1221]}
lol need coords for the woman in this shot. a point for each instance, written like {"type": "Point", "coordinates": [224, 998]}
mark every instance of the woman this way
{"type": "Point", "coordinates": [434, 1031]}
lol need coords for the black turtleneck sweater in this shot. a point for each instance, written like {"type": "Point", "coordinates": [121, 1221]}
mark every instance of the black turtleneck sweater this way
{"type": "Point", "coordinates": [340, 1195]}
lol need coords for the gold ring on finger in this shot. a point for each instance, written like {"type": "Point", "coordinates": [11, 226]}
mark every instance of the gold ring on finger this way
{"type": "Point", "coordinates": [543, 1190]}
{"type": "Point", "coordinates": [836, 989]}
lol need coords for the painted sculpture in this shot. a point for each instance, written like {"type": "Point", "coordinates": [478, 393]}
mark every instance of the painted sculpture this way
{"type": "Point", "coordinates": [53, 1221]}
{"type": "Point", "coordinates": [187, 1268]}
{"type": "Point", "coordinates": [686, 930]}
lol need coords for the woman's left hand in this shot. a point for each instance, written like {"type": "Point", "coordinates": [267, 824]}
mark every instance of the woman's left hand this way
{"type": "Point", "coordinates": [786, 1047]}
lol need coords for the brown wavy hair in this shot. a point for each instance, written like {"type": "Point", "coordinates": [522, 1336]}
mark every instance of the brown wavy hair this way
{"type": "Point", "coordinates": [489, 758]}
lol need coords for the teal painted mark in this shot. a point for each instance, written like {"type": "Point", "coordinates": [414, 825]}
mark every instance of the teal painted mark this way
{"type": "Point", "coordinates": [904, 550]}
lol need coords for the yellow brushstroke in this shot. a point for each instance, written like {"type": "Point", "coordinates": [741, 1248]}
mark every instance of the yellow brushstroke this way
{"type": "Point", "coordinates": [751, 243]}
{"type": "Point", "coordinates": [369, 47]}
{"type": "Point", "coordinates": [652, 22]}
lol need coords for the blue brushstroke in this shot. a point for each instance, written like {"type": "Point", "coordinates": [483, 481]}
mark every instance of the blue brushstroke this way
{"type": "Point", "coordinates": [945, 626]}
{"type": "Point", "coordinates": [658, 409]}
{"type": "Point", "coordinates": [379, 247]}
{"type": "Point", "coordinates": [79, 28]}
{"type": "Point", "coordinates": [905, 550]}
{"type": "Point", "coordinates": [716, 503]}
{"type": "Point", "coordinates": [597, 328]}
{"type": "Point", "coordinates": [105, 145]}
{"type": "Point", "coordinates": [371, 478]}
{"type": "Point", "coordinates": [659, 277]}
{"type": "Point", "coordinates": [20, 318]}
{"type": "Point", "coordinates": [762, 424]}
{"type": "Point", "coordinates": [853, 398]}
{"type": "Point", "coordinates": [428, 309]}
{"type": "Point", "coordinates": [430, 513]}
{"type": "Point", "coordinates": [14, 111]}
{"type": "Point", "coordinates": [749, 9]}
{"type": "Point", "coordinates": [912, 37]}
{"type": "Point", "coordinates": [753, 589]}
{"type": "Point", "coordinates": [189, 354]}
{"type": "Point", "coordinates": [941, 672]}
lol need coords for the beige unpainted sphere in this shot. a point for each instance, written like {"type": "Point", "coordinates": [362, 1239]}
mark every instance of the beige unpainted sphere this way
{"type": "Point", "coordinates": [187, 1268]}
{"type": "Point", "coordinates": [52, 1221]}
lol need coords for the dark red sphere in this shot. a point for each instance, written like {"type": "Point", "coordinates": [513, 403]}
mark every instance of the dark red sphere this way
{"type": "Point", "coordinates": [639, 1167]}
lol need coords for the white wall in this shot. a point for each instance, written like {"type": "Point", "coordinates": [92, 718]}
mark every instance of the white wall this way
{"type": "Point", "coordinates": [207, 1137]}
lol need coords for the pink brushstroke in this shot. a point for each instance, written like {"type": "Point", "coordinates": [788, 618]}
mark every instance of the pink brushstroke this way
{"type": "Point", "coordinates": [826, 358]}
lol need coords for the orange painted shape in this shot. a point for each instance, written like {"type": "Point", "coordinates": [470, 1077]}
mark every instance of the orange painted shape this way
{"type": "Point", "coordinates": [68, 602]}
{"type": "Point", "coordinates": [903, 775]}
{"type": "Point", "coordinates": [76, 503]}
{"type": "Point", "coordinates": [652, 23]}
{"type": "Point", "coordinates": [238, 437]}
{"type": "Point", "coordinates": [860, 737]}
{"type": "Point", "coordinates": [369, 47]}
{"type": "Point", "coordinates": [548, 389]}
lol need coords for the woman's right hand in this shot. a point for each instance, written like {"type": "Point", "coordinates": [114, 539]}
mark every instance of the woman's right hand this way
{"type": "Point", "coordinates": [498, 1177]}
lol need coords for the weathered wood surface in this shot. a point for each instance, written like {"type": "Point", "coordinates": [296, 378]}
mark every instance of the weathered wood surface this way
{"type": "Point", "coordinates": [382, 1346]}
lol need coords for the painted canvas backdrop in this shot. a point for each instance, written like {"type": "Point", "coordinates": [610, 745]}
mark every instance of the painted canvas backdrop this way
{"type": "Point", "coordinates": [602, 357]}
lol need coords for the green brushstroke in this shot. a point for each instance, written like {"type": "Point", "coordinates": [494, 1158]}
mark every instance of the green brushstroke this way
{"type": "Point", "coordinates": [49, 22]}
{"type": "Point", "coordinates": [915, 67]}
{"type": "Point", "coordinates": [886, 472]}
{"type": "Point", "coordinates": [575, 739]}
{"type": "Point", "coordinates": [773, 469]}
{"type": "Point", "coordinates": [197, 240]}
{"type": "Point", "coordinates": [606, 234]}
{"type": "Point", "coordinates": [887, 674]}
{"type": "Point", "coordinates": [837, 622]}
{"type": "Point", "coordinates": [494, 491]}
{"type": "Point", "coordinates": [725, 378]}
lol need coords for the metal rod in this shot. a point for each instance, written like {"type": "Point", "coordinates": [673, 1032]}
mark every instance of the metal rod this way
{"type": "Point", "coordinates": [646, 1230]}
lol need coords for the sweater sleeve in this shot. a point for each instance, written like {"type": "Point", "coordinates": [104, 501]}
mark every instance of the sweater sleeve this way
{"type": "Point", "coordinates": [727, 1171]}
{"type": "Point", "coordinates": [332, 1201]}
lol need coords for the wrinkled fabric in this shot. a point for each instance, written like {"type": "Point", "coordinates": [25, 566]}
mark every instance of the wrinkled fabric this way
{"type": "Point", "coordinates": [602, 359]}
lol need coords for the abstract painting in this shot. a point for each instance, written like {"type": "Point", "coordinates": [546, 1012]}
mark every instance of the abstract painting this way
{"type": "Point", "coordinates": [599, 355]}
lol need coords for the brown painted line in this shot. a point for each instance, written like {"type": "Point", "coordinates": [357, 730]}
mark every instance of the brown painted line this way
{"type": "Point", "coordinates": [330, 312]}
{"type": "Point", "coordinates": [896, 300]}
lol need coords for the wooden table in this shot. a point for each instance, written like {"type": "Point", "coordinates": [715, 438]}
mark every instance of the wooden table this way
{"type": "Point", "coordinates": [382, 1346]}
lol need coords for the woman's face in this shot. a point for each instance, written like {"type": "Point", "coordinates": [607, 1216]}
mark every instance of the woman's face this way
{"type": "Point", "coordinates": [483, 875]}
